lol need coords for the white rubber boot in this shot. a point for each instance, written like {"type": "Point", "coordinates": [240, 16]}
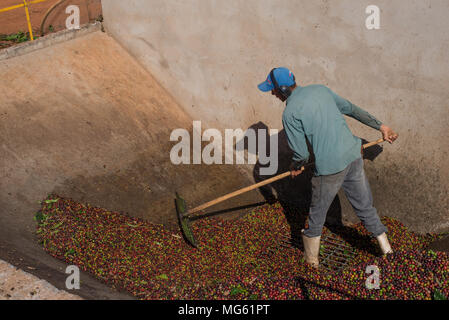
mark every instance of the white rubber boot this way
{"type": "Point", "coordinates": [384, 244]}
{"type": "Point", "coordinates": [311, 249]}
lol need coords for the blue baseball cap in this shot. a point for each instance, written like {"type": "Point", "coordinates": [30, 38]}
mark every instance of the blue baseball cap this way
{"type": "Point", "coordinates": [283, 76]}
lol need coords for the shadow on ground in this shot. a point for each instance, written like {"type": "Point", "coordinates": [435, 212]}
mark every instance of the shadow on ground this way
{"type": "Point", "coordinates": [294, 194]}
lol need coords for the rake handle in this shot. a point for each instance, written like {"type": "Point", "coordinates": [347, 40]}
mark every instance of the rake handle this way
{"type": "Point", "coordinates": [239, 192]}
{"type": "Point", "coordinates": [260, 184]}
{"type": "Point", "coordinates": [373, 143]}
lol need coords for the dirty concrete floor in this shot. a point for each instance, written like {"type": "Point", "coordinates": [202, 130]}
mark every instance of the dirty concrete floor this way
{"type": "Point", "coordinates": [16, 284]}
{"type": "Point", "coordinates": [441, 244]}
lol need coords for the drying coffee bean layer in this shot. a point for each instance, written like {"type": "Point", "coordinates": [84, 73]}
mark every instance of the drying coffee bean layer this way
{"type": "Point", "coordinates": [238, 259]}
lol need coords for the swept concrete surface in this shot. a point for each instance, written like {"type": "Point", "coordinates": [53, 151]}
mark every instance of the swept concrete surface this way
{"type": "Point", "coordinates": [84, 120]}
{"type": "Point", "coordinates": [16, 284]}
{"type": "Point", "coordinates": [212, 54]}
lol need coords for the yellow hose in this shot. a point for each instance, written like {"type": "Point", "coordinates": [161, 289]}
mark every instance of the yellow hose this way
{"type": "Point", "coordinates": [48, 13]}
{"type": "Point", "coordinates": [30, 29]}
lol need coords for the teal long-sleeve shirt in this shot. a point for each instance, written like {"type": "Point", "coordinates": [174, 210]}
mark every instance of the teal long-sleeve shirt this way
{"type": "Point", "coordinates": [315, 112]}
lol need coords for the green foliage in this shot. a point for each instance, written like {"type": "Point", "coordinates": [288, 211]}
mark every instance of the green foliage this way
{"type": "Point", "coordinates": [162, 277]}
{"type": "Point", "coordinates": [71, 251]}
{"type": "Point", "coordinates": [51, 201]}
{"type": "Point", "coordinates": [129, 224]}
{"type": "Point", "coordinates": [322, 248]}
{"type": "Point", "coordinates": [438, 295]}
{"type": "Point", "coordinates": [56, 226]}
{"type": "Point", "coordinates": [39, 217]}
{"type": "Point", "coordinates": [16, 37]}
{"type": "Point", "coordinates": [238, 290]}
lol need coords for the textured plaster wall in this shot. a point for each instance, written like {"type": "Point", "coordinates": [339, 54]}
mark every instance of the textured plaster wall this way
{"type": "Point", "coordinates": [210, 55]}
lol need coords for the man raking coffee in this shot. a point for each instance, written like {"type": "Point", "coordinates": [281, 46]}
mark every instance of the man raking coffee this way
{"type": "Point", "coordinates": [315, 113]}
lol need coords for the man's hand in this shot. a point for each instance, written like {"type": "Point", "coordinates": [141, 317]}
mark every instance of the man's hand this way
{"type": "Point", "coordinates": [296, 173]}
{"type": "Point", "coordinates": [296, 168]}
{"type": "Point", "coordinates": [388, 134]}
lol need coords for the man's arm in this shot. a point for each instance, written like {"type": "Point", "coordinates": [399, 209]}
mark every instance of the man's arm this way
{"type": "Point", "coordinates": [297, 142]}
{"type": "Point", "coordinates": [353, 111]}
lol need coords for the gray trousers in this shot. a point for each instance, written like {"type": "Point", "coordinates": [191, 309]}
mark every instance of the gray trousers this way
{"type": "Point", "coordinates": [357, 189]}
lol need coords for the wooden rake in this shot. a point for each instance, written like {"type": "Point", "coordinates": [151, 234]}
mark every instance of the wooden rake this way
{"type": "Point", "coordinates": [185, 216]}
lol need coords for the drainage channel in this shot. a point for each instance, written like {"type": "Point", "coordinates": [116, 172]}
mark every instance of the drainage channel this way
{"type": "Point", "coordinates": [335, 254]}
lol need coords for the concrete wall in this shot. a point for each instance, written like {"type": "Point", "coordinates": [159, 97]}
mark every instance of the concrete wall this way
{"type": "Point", "coordinates": [83, 120]}
{"type": "Point", "coordinates": [210, 55]}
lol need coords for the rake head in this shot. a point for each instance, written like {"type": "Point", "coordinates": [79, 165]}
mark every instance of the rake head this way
{"type": "Point", "coordinates": [184, 221]}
